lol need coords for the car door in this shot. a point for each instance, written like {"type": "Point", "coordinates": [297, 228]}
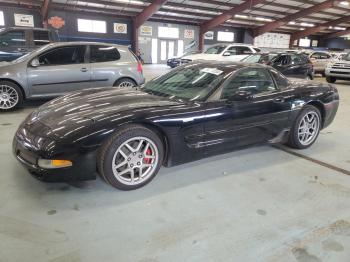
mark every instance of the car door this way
{"type": "Point", "coordinates": [14, 44]}
{"type": "Point", "coordinates": [105, 65]}
{"type": "Point", "coordinates": [59, 70]}
{"type": "Point", "coordinates": [251, 109]}
{"type": "Point", "coordinates": [298, 67]}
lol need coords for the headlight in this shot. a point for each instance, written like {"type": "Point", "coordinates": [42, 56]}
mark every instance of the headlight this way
{"type": "Point", "coordinates": [54, 163]}
{"type": "Point", "coordinates": [329, 65]}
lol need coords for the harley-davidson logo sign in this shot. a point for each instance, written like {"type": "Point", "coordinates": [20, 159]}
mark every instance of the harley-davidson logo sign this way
{"type": "Point", "coordinates": [56, 22]}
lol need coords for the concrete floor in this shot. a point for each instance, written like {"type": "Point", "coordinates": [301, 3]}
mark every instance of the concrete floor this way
{"type": "Point", "coordinates": [258, 204]}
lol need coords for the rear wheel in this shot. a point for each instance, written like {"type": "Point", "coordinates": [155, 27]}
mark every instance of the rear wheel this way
{"type": "Point", "coordinates": [125, 83]}
{"type": "Point", "coordinates": [131, 158]}
{"type": "Point", "coordinates": [10, 96]}
{"type": "Point", "coordinates": [306, 128]}
{"type": "Point", "coordinates": [331, 79]}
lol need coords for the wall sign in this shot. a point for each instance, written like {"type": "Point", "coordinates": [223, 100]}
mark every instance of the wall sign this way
{"type": "Point", "coordinates": [56, 22]}
{"type": "Point", "coordinates": [146, 30]}
{"type": "Point", "coordinates": [120, 28]}
{"type": "Point", "coordinates": [189, 34]}
{"type": "Point", "coordinates": [314, 43]}
{"type": "Point", "coordinates": [272, 40]}
{"type": "Point", "coordinates": [209, 35]}
{"type": "Point", "coordinates": [24, 20]}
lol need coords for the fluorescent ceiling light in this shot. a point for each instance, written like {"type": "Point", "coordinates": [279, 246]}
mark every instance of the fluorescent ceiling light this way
{"type": "Point", "coordinates": [135, 2]}
{"type": "Point", "coordinates": [307, 24]}
{"type": "Point", "coordinates": [301, 28]}
{"type": "Point", "coordinates": [292, 23]}
{"type": "Point", "coordinates": [344, 3]}
{"type": "Point", "coordinates": [241, 16]}
{"type": "Point", "coordinates": [263, 19]}
{"type": "Point", "coordinates": [339, 28]}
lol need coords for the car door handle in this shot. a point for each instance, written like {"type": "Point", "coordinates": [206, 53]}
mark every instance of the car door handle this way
{"type": "Point", "coordinates": [84, 69]}
{"type": "Point", "coordinates": [279, 100]}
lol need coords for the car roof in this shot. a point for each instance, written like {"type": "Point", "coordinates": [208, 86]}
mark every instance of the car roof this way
{"type": "Point", "coordinates": [226, 66]}
{"type": "Point", "coordinates": [25, 28]}
{"type": "Point", "coordinates": [84, 43]}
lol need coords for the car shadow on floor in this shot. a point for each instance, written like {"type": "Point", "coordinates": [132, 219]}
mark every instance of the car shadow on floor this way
{"type": "Point", "coordinates": [261, 159]}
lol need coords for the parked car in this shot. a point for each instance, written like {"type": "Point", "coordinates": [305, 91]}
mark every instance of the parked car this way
{"type": "Point", "coordinates": [338, 56]}
{"type": "Point", "coordinates": [176, 61]}
{"type": "Point", "coordinates": [289, 64]}
{"type": "Point", "coordinates": [224, 52]}
{"type": "Point", "coordinates": [194, 111]}
{"type": "Point", "coordinates": [320, 60]}
{"type": "Point", "coordinates": [18, 41]}
{"type": "Point", "coordinates": [58, 68]}
{"type": "Point", "coordinates": [338, 70]}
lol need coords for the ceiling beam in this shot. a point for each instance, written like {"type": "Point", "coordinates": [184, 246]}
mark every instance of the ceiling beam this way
{"type": "Point", "coordinates": [148, 12]}
{"type": "Point", "coordinates": [275, 24]}
{"type": "Point", "coordinates": [316, 29]}
{"type": "Point", "coordinates": [337, 34]}
{"type": "Point", "coordinates": [226, 15]}
{"type": "Point", "coordinates": [45, 12]}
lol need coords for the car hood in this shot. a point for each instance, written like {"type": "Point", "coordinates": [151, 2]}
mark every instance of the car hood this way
{"type": "Point", "coordinates": [83, 108]}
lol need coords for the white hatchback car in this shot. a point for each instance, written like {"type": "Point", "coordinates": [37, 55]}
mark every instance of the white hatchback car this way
{"type": "Point", "coordinates": [224, 52]}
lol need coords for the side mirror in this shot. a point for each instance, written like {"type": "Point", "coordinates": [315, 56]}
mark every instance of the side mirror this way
{"type": "Point", "coordinates": [242, 95]}
{"type": "Point", "coordinates": [35, 62]}
{"type": "Point", "coordinates": [226, 53]}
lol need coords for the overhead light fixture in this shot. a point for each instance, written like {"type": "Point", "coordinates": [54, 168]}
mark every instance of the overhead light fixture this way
{"type": "Point", "coordinates": [263, 19]}
{"type": "Point", "coordinates": [133, 2]}
{"type": "Point", "coordinates": [301, 28]}
{"type": "Point", "coordinates": [241, 16]}
{"type": "Point", "coordinates": [307, 24]}
{"type": "Point", "coordinates": [339, 28]}
{"type": "Point", "coordinates": [292, 23]}
{"type": "Point", "coordinates": [330, 27]}
{"type": "Point", "coordinates": [344, 3]}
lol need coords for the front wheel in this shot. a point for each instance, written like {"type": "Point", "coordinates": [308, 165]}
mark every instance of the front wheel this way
{"type": "Point", "coordinates": [10, 96]}
{"type": "Point", "coordinates": [131, 158]}
{"type": "Point", "coordinates": [331, 79]}
{"type": "Point", "coordinates": [306, 128]}
{"type": "Point", "coordinates": [125, 83]}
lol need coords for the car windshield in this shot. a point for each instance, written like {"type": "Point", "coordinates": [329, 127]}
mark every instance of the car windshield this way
{"type": "Point", "coordinates": [190, 83]}
{"type": "Point", "coordinates": [347, 57]}
{"type": "Point", "coordinates": [215, 49]}
{"type": "Point", "coordinates": [259, 58]}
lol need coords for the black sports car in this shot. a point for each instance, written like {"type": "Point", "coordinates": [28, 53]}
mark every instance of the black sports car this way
{"type": "Point", "coordinates": [289, 64]}
{"type": "Point", "coordinates": [194, 111]}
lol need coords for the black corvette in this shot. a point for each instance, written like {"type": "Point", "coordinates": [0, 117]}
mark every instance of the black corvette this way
{"type": "Point", "coordinates": [194, 111]}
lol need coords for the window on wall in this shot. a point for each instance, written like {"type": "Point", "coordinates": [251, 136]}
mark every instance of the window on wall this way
{"type": "Point", "coordinates": [92, 26]}
{"type": "Point", "coordinates": [168, 32]}
{"type": "Point", "coordinates": [304, 42]}
{"type": "Point", "coordinates": [2, 20]}
{"type": "Point", "coordinates": [226, 36]}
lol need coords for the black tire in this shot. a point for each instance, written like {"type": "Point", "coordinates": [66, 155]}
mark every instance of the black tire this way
{"type": "Point", "coordinates": [19, 94]}
{"type": "Point", "coordinates": [323, 74]}
{"type": "Point", "coordinates": [109, 148]}
{"type": "Point", "coordinates": [293, 140]}
{"type": "Point", "coordinates": [331, 79]}
{"type": "Point", "coordinates": [126, 81]}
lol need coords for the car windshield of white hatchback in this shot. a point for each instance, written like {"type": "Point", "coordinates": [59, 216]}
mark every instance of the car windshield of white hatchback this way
{"type": "Point", "coordinates": [215, 49]}
{"type": "Point", "coordinates": [190, 83]}
{"type": "Point", "coordinates": [347, 57]}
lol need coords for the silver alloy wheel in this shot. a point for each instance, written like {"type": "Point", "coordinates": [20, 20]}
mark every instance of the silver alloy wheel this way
{"type": "Point", "coordinates": [8, 97]}
{"type": "Point", "coordinates": [125, 84]}
{"type": "Point", "coordinates": [308, 128]}
{"type": "Point", "coordinates": [135, 161]}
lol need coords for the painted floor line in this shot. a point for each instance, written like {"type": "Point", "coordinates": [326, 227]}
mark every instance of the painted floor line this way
{"type": "Point", "coordinates": [316, 161]}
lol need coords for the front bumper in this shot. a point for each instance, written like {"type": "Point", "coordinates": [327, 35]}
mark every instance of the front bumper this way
{"type": "Point", "coordinates": [338, 73]}
{"type": "Point", "coordinates": [84, 163]}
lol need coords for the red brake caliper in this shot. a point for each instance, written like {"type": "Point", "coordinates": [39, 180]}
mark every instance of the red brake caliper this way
{"type": "Point", "coordinates": [148, 160]}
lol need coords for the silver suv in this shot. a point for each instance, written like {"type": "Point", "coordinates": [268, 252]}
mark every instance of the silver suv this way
{"type": "Point", "coordinates": [338, 70]}
{"type": "Point", "coordinates": [58, 68]}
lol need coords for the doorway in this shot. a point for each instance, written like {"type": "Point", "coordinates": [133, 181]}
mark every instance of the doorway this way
{"type": "Point", "coordinates": [166, 49]}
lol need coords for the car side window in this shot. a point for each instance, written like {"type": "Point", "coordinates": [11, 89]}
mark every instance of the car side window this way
{"type": "Point", "coordinates": [243, 50]}
{"type": "Point", "coordinates": [63, 56]}
{"type": "Point", "coordinates": [232, 50]}
{"type": "Point", "coordinates": [282, 60]}
{"type": "Point", "coordinates": [315, 55]}
{"type": "Point", "coordinates": [41, 37]}
{"type": "Point", "coordinates": [296, 59]}
{"type": "Point", "coordinates": [252, 80]}
{"type": "Point", "coordinates": [281, 80]}
{"type": "Point", "coordinates": [101, 53]}
{"type": "Point", "coordinates": [13, 38]}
